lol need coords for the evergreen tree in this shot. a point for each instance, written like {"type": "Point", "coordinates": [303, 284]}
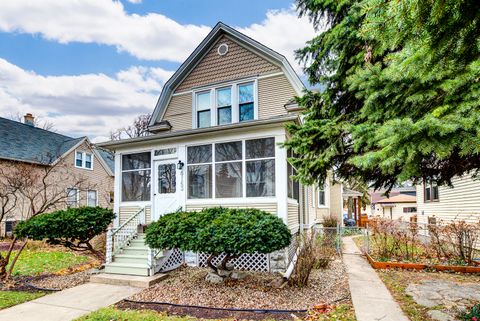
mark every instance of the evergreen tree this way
{"type": "Point", "coordinates": [402, 92]}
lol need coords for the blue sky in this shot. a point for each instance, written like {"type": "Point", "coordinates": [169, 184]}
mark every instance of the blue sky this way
{"type": "Point", "coordinates": [91, 66]}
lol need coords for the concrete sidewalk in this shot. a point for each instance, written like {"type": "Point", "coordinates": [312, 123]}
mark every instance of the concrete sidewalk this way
{"type": "Point", "coordinates": [68, 304]}
{"type": "Point", "coordinates": [371, 299]}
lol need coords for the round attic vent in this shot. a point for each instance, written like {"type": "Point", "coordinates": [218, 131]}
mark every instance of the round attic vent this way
{"type": "Point", "coordinates": [222, 49]}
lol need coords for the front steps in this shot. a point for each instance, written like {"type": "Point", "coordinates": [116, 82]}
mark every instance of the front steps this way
{"type": "Point", "coordinates": [133, 260]}
{"type": "Point", "coordinates": [129, 280]}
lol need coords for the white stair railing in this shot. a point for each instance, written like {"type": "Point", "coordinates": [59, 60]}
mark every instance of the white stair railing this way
{"type": "Point", "coordinates": [118, 238]}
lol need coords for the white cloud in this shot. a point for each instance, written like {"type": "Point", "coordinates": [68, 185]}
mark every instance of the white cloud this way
{"type": "Point", "coordinates": [89, 104]}
{"type": "Point", "coordinates": [135, 1]}
{"type": "Point", "coordinates": [152, 36]}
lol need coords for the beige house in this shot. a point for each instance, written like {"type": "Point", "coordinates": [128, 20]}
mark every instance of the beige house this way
{"type": "Point", "coordinates": [81, 175]}
{"type": "Point", "coordinates": [397, 207]}
{"type": "Point", "coordinates": [217, 131]}
{"type": "Point", "coordinates": [460, 202]}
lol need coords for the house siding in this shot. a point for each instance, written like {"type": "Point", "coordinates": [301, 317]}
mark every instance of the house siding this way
{"type": "Point", "coordinates": [239, 62]}
{"type": "Point", "coordinates": [397, 211]}
{"type": "Point", "coordinates": [292, 219]}
{"type": "Point", "coordinates": [462, 202]}
{"type": "Point", "coordinates": [269, 104]}
{"type": "Point", "coordinates": [179, 112]}
{"type": "Point", "coordinates": [125, 212]}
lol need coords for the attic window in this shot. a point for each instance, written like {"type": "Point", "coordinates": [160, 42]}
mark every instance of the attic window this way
{"type": "Point", "coordinates": [222, 49]}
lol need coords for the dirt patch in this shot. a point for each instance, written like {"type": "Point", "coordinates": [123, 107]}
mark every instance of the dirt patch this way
{"type": "Point", "coordinates": [187, 286]}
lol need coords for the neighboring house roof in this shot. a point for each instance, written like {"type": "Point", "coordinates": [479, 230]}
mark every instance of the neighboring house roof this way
{"type": "Point", "coordinates": [219, 29]}
{"type": "Point", "coordinates": [351, 193]}
{"type": "Point", "coordinates": [26, 143]}
{"type": "Point", "coordinates": [402, 198]}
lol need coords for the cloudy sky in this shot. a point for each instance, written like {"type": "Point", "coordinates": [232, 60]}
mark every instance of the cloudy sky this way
{"type": "Point", "coordinates": [91, 66]}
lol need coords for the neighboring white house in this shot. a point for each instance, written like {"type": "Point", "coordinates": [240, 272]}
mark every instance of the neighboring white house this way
{"type": "Point", "coordinates": [397, 207]}
{"type": "Point", "coordinates": [460, 202]}
{"type": "Point", "coordinates": [217, 131]}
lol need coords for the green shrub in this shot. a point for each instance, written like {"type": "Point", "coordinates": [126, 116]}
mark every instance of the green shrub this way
{"type": "Point", "coordinates": [473, 314]}
{"type": "Point", "coordinates": [73, 228]}
{"type": "Point", "coordinates": [219, 230]}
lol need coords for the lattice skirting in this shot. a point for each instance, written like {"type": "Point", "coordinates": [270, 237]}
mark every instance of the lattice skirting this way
{"type": "Point", "coordinates": [247, 262]}
{"type": "Point", "coordinates": [174, 261]}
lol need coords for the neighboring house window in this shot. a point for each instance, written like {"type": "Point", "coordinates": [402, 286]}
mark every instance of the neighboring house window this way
{"type": "Point", "coordinates": [72, 197]}
{"type": "Point", "coordinates": [409, 210]}
{"type": "Point", "coordinates": [293, 190]}
{"type": "Point", "coordinates": [321, 196]}
{"type": "Point", "coordinates": [430, 191]}
{"type": "Point", "coordinates": [225, 105]}
{"type": "Point", "coordinates": [92, 198]}
{"type": "Point", "coordinates": [246, 107]}
{"type": "Point", "coordinates": [83, 160]}
{"type": "Point", "coordinates": [228, 161]}
{"type": "Point", "coordinates": [9, 226]}
{"type": "Point", "coordinates": [204, 117]}
{"type": "Point", "coordinates": [136, 175]}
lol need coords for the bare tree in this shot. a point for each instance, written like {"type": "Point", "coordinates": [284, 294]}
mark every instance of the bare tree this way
{"type": "Point", "coordinates": [37, 122]}
{"type": "Point", "coordinates": [33, 189]}
{"type": "Point", "coordinates": [139, 128]}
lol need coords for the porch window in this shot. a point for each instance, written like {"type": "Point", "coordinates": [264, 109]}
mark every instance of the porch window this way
{"type": "Point", "coordinates": [228, 170]}
{"type": "Point", "coordinates": [430, 191]}
{"type": "Point", "coordinates": [224, 106]}
{"type": "Point", "coordinates": [245, 102]}
{"type": "Point", "coordinates": [199, 160]}
{"type": "Point", "coordinates": [92, 198]}
{"type": "Point", "coordinates": [136, 175]}
{"type": "Point", "coordinates": [241, 169]}
{"type": "Point", "coordinates": [203, 109]}
{"type": "Point", "coordinates": [260, 167]}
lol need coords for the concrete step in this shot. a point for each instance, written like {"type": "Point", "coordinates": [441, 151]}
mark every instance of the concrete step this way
{"type": "Point", "coordinates": [129, 280]}
{"type": "Point", "coordinates": [127, 268]}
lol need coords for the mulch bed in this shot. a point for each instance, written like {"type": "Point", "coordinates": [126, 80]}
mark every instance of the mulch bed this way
{"type": "Point", "coordinates": [5, 245]}
{"type": "Point", "coordinates": [187, 286]}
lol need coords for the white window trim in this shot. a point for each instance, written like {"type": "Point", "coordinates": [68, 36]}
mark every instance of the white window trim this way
{"type": "Point", "coordinates": [96, 197]}
{"type": "Point", "coordinates": [234, 101]}
{"type": "Point", "coordinates": [244, 161]}
{"type": "Point", "coordinates": [84, 159]}
{"type": "Point", "coordinates": [326, 195]}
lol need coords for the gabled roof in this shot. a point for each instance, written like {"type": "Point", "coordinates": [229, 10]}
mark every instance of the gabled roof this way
{"type": "Point", "coordinates": [219, 29]}
{"type": "Point", "coordinates": [25, 143]}
{"type": "Point", "coordinates": [402, 198]}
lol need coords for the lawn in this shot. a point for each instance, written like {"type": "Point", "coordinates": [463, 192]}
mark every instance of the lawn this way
{"type": "Point", "coordinates": [35, 262]}
{"type": "Point", "coordinates": [10, 298]}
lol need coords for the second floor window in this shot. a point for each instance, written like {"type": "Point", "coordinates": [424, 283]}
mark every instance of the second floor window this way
{"type": "Point", "coordinates": [225, 105]}
{"type": "Point", "coordinates": [83, 160]}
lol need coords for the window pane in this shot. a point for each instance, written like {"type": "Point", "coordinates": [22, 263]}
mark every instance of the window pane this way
{"type": "Point", "coordinates": [434, 192]}
{"type": "Point", "coordinates": [224, 97]}
{"type": "Point", "coordinates": [136, 186]}
{"type": "Point", "coordinates": [136, 161]}
{"type": "Point", "coordinates": [203, 101]}
{"type": "Point", "coordinates": [88, 160]}
{"type": "Point", "coordinates": [260, 148]}
{"type": "Point", "coordinates": [321, 197]}
{"type": "Point", "coordinates": [246, 112]}
{"type": "Point", "coordinates": [225, 115]}
{"type": "Point", "coordinates": [200, 181]}
{"type": "Point", "coordinates": [261, 178]}
{"type": "Point", "coordinates": [165, 151]}
{"type": "Point", "coordinates": [245, 93]}
{"type": "Point", "coordinates": [199, 154]}
{"type": "Point", "coordinates": [78, 159]}
{"type": "Point", "coordinates": [228, 151]}
{"type": "Point", "coordinates": [166, 178]}
{"type": "Point", "coordinates": [427, 192]}
{"type": "Point", "coordinates": [204, 119]}
{"type": "Point", "coordinates": [228, 180]}
{"type": "Point", "coordinates": [92, 198]}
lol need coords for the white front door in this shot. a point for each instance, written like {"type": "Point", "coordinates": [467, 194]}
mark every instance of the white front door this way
{"type": "Point", "coordinates": [166, 191]}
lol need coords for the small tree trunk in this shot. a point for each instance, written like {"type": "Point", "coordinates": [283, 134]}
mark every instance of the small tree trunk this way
{"type": "Point", "coordinates": [210, 264]}
{"type": "Point", "coordinates": [99, 255]}
{"type": "Point", "coordinates": [15, 259]}
{"type": "Point", "coordinates": [227, 259]}
{"type": "Point", "coordinates": [4, 260]}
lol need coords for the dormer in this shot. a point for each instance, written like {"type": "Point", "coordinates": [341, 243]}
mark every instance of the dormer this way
{"type": "Point", "coordinates": [228, 79]}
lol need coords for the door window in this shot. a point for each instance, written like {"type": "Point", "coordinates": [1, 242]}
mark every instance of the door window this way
{"type": "Point", "coordinates": [167, 178]}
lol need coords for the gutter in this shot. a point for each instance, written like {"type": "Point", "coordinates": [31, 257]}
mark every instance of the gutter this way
{"type": "Point", "coordinates": [193, 132]}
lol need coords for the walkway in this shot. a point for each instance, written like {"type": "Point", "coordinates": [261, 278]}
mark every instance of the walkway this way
{"type": "Point", "coordinates": [371, 299]}
{"type": "Point", "coordinates": [68, 304]}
